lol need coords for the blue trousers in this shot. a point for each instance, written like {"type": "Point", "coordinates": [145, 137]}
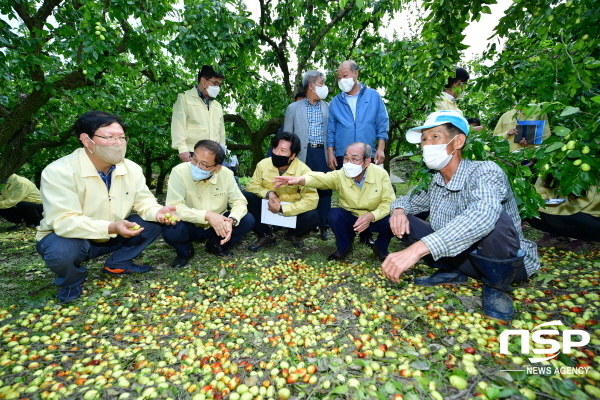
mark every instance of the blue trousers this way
{"type": "Point", "coordinates": [64, 255]}
{"type": "Point", "coordinates": [181, 235]}
{"type": "Point", "coordinates": [315, 159]}
{"type": "Point", "coordinates": [342, 221]}
{"type": "Point", "coordinates": [502, 242]}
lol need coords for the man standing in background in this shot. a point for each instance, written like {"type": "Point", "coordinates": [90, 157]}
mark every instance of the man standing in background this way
{"type": "Point", "coordinates": [197, 115]}
{"type": "Point", "coordinates": [452, 91]}
{"type": "Point", "coordinates": [308, 120]}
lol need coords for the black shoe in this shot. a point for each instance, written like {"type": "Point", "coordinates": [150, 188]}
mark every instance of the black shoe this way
{"type": "Point", "coordinates": [15, 227]}
{"type": "Point", "coordinates": [337, 256]}
{"type": "Point", "coordinates": [67, 294]}
{"type": "Point", "coordinates": [262, 242]}
{"type": "Point", "coordinates": [325, 233]}
{"type": "Point", "coordinates": [217, 250]}
{"type": "Point", "coordinates": [296, 241]}
{"type": "Point", "coordinates": [131, 269]}
{"type": "Point", "coordinates": [366, 238]}
{"type": "Point", "coordinates": [180, 262]}
{"type": "Point", "coordinates": [380, 254]}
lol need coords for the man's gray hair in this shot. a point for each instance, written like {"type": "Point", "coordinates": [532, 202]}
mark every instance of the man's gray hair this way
{"type": "Point", "coordinates": [353, 65]}
{"type": "Point", "coordinates": [368, 150]}
{"type": "Point", "coordinates": [311, 77]}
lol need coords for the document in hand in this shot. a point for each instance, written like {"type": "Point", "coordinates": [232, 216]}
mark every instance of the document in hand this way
{"type": "Point", "coordinates": [532, 131]}
{"type": "Point", "coordinates": [270, 218]}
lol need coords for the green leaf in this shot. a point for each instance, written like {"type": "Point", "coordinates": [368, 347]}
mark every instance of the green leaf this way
{"type": "Point", "coordinates": [596, 99]}
{"type": "Point", "coordinates": [554, 147]}
{"type": "Point", "coordinates": [486, 10]}
{"type": "Point", "coordinates": [416, 158]}
{"type": "Point", "coordinates": [342, 389]}
{"type": "Point", "coordinates": [561, 130]}
{"type": "Point", "coordinates": [569, 110]}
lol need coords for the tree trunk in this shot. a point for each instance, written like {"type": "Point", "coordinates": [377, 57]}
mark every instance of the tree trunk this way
{"type": "Point", "coordinates": [13, 156]}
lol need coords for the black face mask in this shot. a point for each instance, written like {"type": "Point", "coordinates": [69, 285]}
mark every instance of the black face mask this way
{"type": "Point", "coordinates": [280, 161]}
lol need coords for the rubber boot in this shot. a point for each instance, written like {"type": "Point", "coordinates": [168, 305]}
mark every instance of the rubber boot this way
{"type": "Point", "coordinates": [445, 275]}
{"type": "Point", "coordinates": [497, 275]}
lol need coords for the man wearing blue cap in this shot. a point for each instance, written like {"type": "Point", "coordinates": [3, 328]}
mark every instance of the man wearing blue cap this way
{"type": "Point", "coordinates": [474, 229]}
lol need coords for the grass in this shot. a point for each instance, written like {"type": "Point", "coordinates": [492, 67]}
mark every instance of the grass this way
{"type": "Point", "coordinates": [179, 333]}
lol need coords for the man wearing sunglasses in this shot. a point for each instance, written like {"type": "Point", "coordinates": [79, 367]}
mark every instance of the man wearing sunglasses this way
{"type": "Point", "coordinates": [197, 115]}
{"type": "Point", "coordinates": [89, 198]}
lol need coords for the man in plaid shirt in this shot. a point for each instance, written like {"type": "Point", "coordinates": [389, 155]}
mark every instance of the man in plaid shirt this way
{"type": "Point", "coordinates": [474, 229]}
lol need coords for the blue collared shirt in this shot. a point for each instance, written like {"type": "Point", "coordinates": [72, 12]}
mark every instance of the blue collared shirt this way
{"type": "Point", "coordinates": [316, 126]}
{"type": "Point", "coordinates": [107, 178]}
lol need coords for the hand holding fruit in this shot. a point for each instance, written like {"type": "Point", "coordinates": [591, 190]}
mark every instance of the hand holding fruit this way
{"type": "Point", "coordinates": [125, 228]}
{"type": "Point", "coordinates": [167, 216]}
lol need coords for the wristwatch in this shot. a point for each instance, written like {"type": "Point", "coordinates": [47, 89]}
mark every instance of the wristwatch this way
{"type": "Point", "coordinates": [280, 210]}
{"type": "Point", "coordinates": [267, 195]}
{"type": "Point", "coordinates": [235, 221]}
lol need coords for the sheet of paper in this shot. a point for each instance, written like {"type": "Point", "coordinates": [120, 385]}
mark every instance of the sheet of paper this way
{"type": "Point", "coordinates": [270, 218]}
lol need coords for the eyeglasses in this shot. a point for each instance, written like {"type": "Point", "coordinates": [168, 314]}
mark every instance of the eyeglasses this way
{"type": "Point", "coordinates": [114, 139]}
{"type": "Point", "coordinates": [194, 161]}
{"type": "Point", "coordinates": [215, 83]}
{"type": "Point", "coordinates": [353, 160]}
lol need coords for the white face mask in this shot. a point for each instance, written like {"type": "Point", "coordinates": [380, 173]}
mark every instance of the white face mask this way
{"type": "Point", "coordinates": [322, 91]}
{"type": "Point", "coordinates": [352, 170]}
{"type": "Point", "coordinates": [346, 84]}
{"type": "Point", "coordinates": [435, 155]}
{"type": "Point", "coordinates": [213, 91]}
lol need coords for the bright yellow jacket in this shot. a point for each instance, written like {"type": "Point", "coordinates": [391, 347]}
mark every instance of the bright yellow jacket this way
{"type": "Point", "coordinates": [508, 121]}
{"type": "Point", "coordinates": [301, 198]}
{"type": "Point", "coordinates": [376, 195]}
{"type": "Point", "coordinates": [78, 205]}
{"type": "Point", "coordinates": [19, 189]}
{"type": "Point", "coordinates": [192, 121]}
{"type": "Point", "coordinates": [446, 102]}
{"type": "Point", "coordinates": [588, 204]}
{"type": "Point", "coordinates": [194, 198]}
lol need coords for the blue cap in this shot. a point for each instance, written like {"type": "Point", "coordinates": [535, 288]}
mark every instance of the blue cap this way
{"type": "Point", "coordinates": [438, 118]}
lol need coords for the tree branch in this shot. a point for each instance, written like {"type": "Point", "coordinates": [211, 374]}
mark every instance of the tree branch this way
{"type": "Point", "coordinates": [4, 112]}
{"type": "Point", "coordinates": [313, 45]}
{"type": "Point", "coordinates": [237, 119]}
{"type": "Point", "coordinates": [44, 12]}
{"type": "Point", "coordinates": [24, 15]}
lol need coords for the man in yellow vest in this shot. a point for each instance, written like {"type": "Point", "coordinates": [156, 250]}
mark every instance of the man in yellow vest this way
{"type": "Point", "coordinates": [197, 115]}
{"type": "Point", "coordinates": [20, 201]}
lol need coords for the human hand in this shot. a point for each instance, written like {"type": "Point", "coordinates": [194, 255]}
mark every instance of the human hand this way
{"type": "Point", "coordinates": [222, 225]}
{"type": "Point", "coordinates": [362, 223]}
{"type": "Point", "coordinates": [331, 160]}
{"type": "Point", "coordinates": [280, 181]}
{"type": "Point", "coordinates": [399, 223]}
{"type": "Point", "coordinates": [379, 157]}
{"type": "Point", "coordinates": [274, 203]}
{"type": "Point", "coordinates": [185, 156]}
{"type": "Point", "coordinates": [123, 228]}
{"type": "Point", "coordinates": [523, 142]}
{"type": "Point", "coordinates": [161, 215]}
{"type": "Point", "coordinates": [512, 132]}
{"type": "Point", "coordinates": [396, 263]}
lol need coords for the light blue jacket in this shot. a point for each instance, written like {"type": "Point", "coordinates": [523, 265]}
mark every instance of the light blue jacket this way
{"type": "Point", "coordinates": [371, 123]}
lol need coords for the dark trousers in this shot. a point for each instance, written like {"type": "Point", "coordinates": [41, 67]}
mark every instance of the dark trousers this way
{"type": "Point", "coordinates": [31, 213]}
{"type": "Point", "coordinates": [342, 224]}
{"type": "Point", "coordinates": [64, 255]}
{"type": "Point", "coordinates": [182, 234]}
{"type": "Point", "coordinates": [502, 242]}
{"type": "Point", "coordinates": [305, 222]}
{"type": "Point", "coordinates": [580, 226]}
{"type": "Point", "coordinates": [315, 159]}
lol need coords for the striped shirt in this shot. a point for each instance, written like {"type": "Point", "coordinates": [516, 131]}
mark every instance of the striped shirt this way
{"type": "Point", "coordinates": [316, 128]}
{"type": "Point", "coordinates": [465, 210]}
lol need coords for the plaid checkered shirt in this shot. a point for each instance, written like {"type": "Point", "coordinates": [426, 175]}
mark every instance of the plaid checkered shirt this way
{"type": "Point", "coordinates": [316, 129]}
{"type": "Point", "coordinates": [466, 210]}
